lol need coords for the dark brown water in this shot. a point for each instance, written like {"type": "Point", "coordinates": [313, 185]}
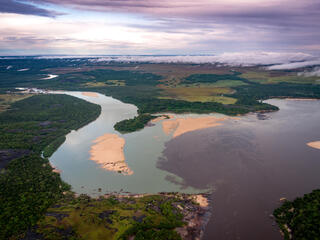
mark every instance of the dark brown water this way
{"type": "Point", "coordinates": [250, 164]}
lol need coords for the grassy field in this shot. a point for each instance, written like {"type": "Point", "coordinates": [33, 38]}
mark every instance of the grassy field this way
{"type": "Point", "coordinates": [7, 99]}
{"type": "Point", "coordinates": [267, 77]}
{"type": "Point", "coordinates": [199, 94]}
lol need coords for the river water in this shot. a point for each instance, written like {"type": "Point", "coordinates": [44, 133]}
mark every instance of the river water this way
{"type": "Point", "coordinates": [142, 151]}
{"type": "Point", "coordinates": [249, 163]}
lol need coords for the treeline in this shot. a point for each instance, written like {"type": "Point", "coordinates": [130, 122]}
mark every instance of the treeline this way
{"type": "Point", "coordinates": [38, 121]}
{"type": "Point", "coordinates": [258, 91]}
{"type": "Point", "coordinates": [210, 78]}
{"type": "Point", "coordinates": [179, 106]}
{"type": "Point", "coordinates": [27, 184]}
{"type": "Point", "coordinates": [301, 216]}
{"type": "Point", "coordinates": [27, 188]}
{"type": "Point", "coordinates": [134, 124]}
{"type": "Point", "coordinates": [131, 78]}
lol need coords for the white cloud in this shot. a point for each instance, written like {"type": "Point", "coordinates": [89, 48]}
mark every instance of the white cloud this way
{"type": "Point", "coordinates": [232, 59]}
{"type": "Point", "coordinates": [295, 65]}
{"type": "Point", "coordinates": [314, 73]}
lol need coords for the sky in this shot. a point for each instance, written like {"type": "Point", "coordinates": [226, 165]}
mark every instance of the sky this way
{"type": "Point", "coordinates": [166, 27]}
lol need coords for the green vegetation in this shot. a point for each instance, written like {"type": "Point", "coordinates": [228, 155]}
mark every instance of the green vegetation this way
{"type": "Point", "coordinates": [27, 184]}
{"type": "Point", "coordinates": [112, 217]}
{"type": "Point", "coordinates": [36, 122]}
{"type": "Point", "coordinates": [27, 188]}
{"type": "Point", "coordinates": [7, 99]}
{"type": "Point", "coordinates": [130, 78]}
{"type": "Point", "coordinates": [201, 93]}
{"type": "Point", "coordinates": [133, 124]}
{"type": "Point", "coordinates": [274, 77]}
{"type": "Point", "coordinates": [211, 78]}
{"type": "Point", "coordinates": [155, 88]}
{"type": "Point", "coordinates": [300, 219]}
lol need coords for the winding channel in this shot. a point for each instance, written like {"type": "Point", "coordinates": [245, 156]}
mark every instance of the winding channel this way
{"type": "Point", "coordinates": [142, 150]}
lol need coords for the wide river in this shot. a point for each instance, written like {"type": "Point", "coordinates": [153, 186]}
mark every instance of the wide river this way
{"type": "Point", "coordinates": [249, 163]}
{"type": "Point", "coordinates": [142, 150]}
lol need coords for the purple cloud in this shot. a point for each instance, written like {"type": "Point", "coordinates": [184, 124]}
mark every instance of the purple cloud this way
{"type": "Point", "coordinates": [11, 6]}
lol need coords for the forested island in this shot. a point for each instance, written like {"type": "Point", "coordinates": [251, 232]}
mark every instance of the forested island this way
{"type": "Point", "coordinates": [134, 124]}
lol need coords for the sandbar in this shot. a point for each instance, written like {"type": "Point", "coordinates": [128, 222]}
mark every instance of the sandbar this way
{"type": "Point", "coordinates": [107, 152]}
{"type": "Point", "coordinates": [314, 144]}
{"type": "Point", "coordinates": [90, 94]}
{"type": "Point", "coordinates": [50, 76]}
{"type": "Point", "coordinates": [180, 126]}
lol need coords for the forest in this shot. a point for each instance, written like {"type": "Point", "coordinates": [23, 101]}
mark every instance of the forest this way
{"type": "Point", "coordinates": [300, 219]}
{"type": "Point", "coordinates": [27, 184]}
{"type": "Point", "coordinates": [134, 124]}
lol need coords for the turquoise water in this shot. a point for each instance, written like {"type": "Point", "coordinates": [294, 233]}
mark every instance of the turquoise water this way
{"type": "Point", "coordinates": [142, 151]}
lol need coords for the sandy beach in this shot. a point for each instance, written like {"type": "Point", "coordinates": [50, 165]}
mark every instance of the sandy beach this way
{"type": "Point", "coordinates": [180, 126]}
{"type": "Point", "coordinates": [314, 144]}
{"type": "Point", "coordinates": [90, 94]}
{"type": "Point", "coordinates": [108, 153]}
{"type": "Point", "coordinates": [201, 200]}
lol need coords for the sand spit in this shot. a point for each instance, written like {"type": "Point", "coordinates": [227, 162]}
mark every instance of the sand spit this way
{"type": "Point", "coordinates": [108, 153]}
{"type": "Point", "coordinates": [180, 126]}
{"type": "Point", "coordinates": [50, 76]}
{"type": "Point", "coordinates": [314, 144]}
{"type": "Point", "coordinates": [90, 94]}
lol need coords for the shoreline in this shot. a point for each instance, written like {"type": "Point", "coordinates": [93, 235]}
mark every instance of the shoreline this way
{"type": "Point", "coordinates": [195, 208]}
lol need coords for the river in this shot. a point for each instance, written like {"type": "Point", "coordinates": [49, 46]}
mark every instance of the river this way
{"type": "Point", "coordinates": [142, 150]}
{"type": "Point", "coordinates": [249, 163]}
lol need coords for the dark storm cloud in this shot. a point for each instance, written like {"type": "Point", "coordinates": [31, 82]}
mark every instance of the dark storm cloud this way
{"type": "Point", "coordinates": [11, 6]}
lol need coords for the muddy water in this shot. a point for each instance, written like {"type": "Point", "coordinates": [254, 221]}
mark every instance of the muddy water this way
{"type": "Point", "coordinates": [142, 150]}
{"type": "Point", "coordinates": [250, 164]}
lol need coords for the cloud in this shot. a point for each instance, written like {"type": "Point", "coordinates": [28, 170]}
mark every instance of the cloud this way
{"type": "Point", "coordinates": [313, 73]}
{"type": "Point", "coordinates": [168, 27]}
{"type": "Point", "coordinates": [12, 6]}
{"type": "Point", "coordinates": [232, 59]}
{"type": "Point", "coordinates": [295, 65]}
{"type": "Point", "coordinates": [286, 25]}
